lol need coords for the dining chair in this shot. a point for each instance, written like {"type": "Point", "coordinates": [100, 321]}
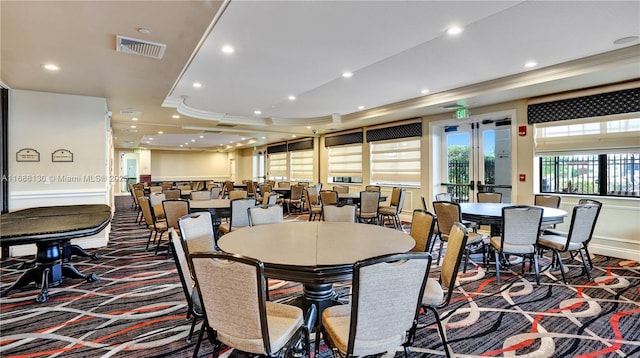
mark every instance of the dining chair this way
{"type": "Point", "coordinates": [295, 199]}
{"type": "Point", "coordinates": [156, 189]}
{"type": "Point", "coordinates": [200, 195]}
{"type": "Point", "coordinates": [489, 197]}
{"type": "Point", "coordinates": [156, 199]}
{"type": "Point", "coordinates": [383, 312]}
{"type": "Point", "coordinates": [341, 189]}
{"type": "Point", "coordinates": [520, 231]}
{"type": "Point", "coordinates": [329, 197]}
{"type": "Point", "coordinates": [444, 197]}
{"type": "Point", "coordinates": [237, 314]}
{"type": "Point", "coordinates": [284, 184]}
{"type": "Point", "coordinates": [137, 194]}
{"type": "Point", "coordinates": [549, 201]}
{"type": "Point", "coordinates": [237, 194]}
{"type": "Point", "coordinates": [393, 211]}
{"type": "Point", "coordinates": [196, 230]}
{"type": "Point", "coordinates": [154, 225]}
{"type": "Point", "coordinates": [239, 217]}
{"type": "Point", "coordinates": [251, 188]}
{"type": "Point", "coordinates": [181, 259]}
{"type": "Point", "coordinates": [172, 194]}
{"type": "Point", "coordinates": [422, 229]}
{"type": "Point", "coordinates": [437, 293]}
{"type": "Point", "coordinates": [368, 208]}
{"type": "Point", "coordinates": [174, 209]}
{"type": "Point", "coordinates": [372, 188]}
{"type": "Point", "coordinates": [262, 215]}
{"type": "Point", "coordinates": [268, 199]}
{"type": "Point", "coordinates": [583, 223]}
{"type": "Point", "coordinates": [312, 202]}
{"type": "Point", "coordinates": [448, 213]}
{"type": "Point", "coordinates": [339, 213]}
{"type": "Point", "coordinates": [215, 192]}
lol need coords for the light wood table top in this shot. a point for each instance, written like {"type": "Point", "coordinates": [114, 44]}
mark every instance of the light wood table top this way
{"type": "Point", "coordinates": [210, 204]}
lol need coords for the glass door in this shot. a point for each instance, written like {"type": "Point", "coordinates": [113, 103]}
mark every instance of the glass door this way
{"type": "Point", "coordinates": [475, 157]}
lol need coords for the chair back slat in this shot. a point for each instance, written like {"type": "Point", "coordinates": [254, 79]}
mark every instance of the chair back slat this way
{"type": "Point", "coordinates": [260, 215]}
{"type": "Point", "coordinates": [387, 292]}
{"type": "Point", "coordinates": [336, 213]}
{"type": "Point", "coordinates": [197, 231]}
{"type": "Point", "coordinates": [453, 257]}
{"type": "Point", "coordinates": [369, 202]}
{"type": "Point", "coordinates": [447, 213]}
{"type": "Point", "coordinates": [521, 224]}
{"type": "Point", "coordinates": [174, 210]}
{"type": "Point", "coordinates": [239, 214]}
{"type": "Point", "coordinates": [550, 201]}
{"type": "Point", "coordinates": [329, 197]}
{"type": "Point", "coordinates": [422, 225]}
{"type": "Point", "coordinates": [489, 197]}
{"type": "Point", "coordinates": [583, 222]}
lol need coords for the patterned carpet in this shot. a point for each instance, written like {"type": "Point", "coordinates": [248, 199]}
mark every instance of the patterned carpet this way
{"type": "Point", "coordinates": [137, 309]}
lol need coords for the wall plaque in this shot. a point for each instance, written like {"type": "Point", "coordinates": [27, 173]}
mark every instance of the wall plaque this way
{"type": "Point", "coordinates": [62, 155]}
{"type": "Point", "coordinates": [27, 155]}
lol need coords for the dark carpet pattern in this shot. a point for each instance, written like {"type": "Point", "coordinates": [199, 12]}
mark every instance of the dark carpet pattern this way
{"type": "Point", "coordinates": [137, 309]}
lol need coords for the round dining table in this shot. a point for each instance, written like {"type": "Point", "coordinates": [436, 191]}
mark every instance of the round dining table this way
{"type": "Point", "coordinates": [491, 214]}
{"type": "Point", "coordinates": [317, 254]}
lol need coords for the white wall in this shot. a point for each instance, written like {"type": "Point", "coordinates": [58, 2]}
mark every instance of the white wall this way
{"type": "Point", "coordinates": [188, 165]}
{"type": "Point", "coordinates": [47, 122]}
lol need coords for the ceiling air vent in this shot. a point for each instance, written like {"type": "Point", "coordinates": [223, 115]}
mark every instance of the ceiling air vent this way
{"type": "Point", "coordinates": [140, 47]}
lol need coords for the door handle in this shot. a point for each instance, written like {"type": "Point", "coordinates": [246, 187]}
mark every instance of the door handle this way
{"type": "Point", "coordinates": [471, 185]}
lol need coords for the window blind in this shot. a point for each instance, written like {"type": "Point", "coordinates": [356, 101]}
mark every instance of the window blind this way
{"type": "Point", "coordinates": [396, 162]}
{"type": "Point", "coordinates": [302, 165]}
{"type": "Point", "coordinates": [345, 161]}
{"type": "Point", "coordinates": [278, 166]}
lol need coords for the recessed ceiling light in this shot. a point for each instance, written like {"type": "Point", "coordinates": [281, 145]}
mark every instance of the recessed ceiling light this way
{"type": "Point", "coordinates": [243, 138]}
{"type": "Point", "coordinates": [292, 98]}
{"type": "Point", "coordinates": [228, 49]}
{"type": "Point", "coordinates": [133, 126]}
{"type": "Point", "coordinates": [151, 138]}
{"type": "Point", "coordinates": [424, 91]}
{"type": "Point", "coordinates": [175, 116]}
{"type": "Point", "coordinates": [530, 64]}
{"type": "Point", "coordinates": [454, 30]}
{"type": "Point", "coordinates": [347, 74]}
{"type": "Point", "coordinates": [201, 136]}
{"type": "Point", "coordinates": [308, 127]}
{"type": "Point", "coordinates": [256, 112]}
{"type": "Point", "coordinates": [360, 107]}
{"type": "Point", "coordinates": [144, 30]}
{"type": "Point", "coordinates": [134, 118]}
{"type": "Point", "coordinates": [160, 132]}
{"type": "Point", "coordinates": [293, 136]}
{"type": "Point", "coordinates": [193, 140]}
{"type": "Point", "coordinates": [197, 85]}
{"type": "Point", "coordinates": [181, 145]}
{"type": "Point", "coordinates": [264, 137]}
{"type": "Point", "coordinates": [186, 143]}
{"type": "Point", "coordinates": [51, 67]}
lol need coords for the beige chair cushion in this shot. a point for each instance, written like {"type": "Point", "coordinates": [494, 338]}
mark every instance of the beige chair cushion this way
{"type": "Point", "coordinates": [558, 242]}
{"type": "Point", "coordinates": [510, 248]}
{"type": "Point", "coordinates": [433, 293]}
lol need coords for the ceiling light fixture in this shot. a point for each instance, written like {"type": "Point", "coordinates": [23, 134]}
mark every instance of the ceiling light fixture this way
{"type": "Point", "coordinates": [347, 74]}
{"type": "Point", "coordinates": [197, 85]}
{"type": "Point", "coordinates": [257, 112]}
{"type": "Point", "coordinates": [133, 127]}
{"type": "Point", "coordinates": [264, 137]}
{"type": "Point", "coordinates": [228, 49]}
{"type": "Point", "coordinates": [160, 132]}
{"type": "Point", "coordinates": [50, 67]}
{"type": "Point", "coordinates": [175, 116]}
{"type": "Point", "coordinates": [144, 30]}
{"type": "Point", "coordinates": [201, 136]}
{"type": "Point", "coordinates": [454, 30]}
{"type": "Point", "coordinates": [292, 98]}
{"type": "Point", "coordinates": [424, 91]}
{"type": "Point", "coordinates": [293, 136]}
{"type": "Point", "coordinates": [530, 64]}
{"type": "Point", "coordinates": [193, 140]}
{"type": "Point", "coordinates": [134, 118]}
{"type": "Point", "coordinates": [360, 107]}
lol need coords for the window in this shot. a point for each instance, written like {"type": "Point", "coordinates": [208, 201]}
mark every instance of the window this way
{"type": "Point", "coordinates": [345, 164]}
{"type": "Point", "coordinates": [593, 156]}
{"type": "Point", "coordinates": [278, 166]}
{"type": "Point", "coordinates": [396, 162]}
{"type": "Point", "coordinates": [302, 165]}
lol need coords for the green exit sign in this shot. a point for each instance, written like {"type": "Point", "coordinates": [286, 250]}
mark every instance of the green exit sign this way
{"type": "Point", "coordinates": [462, 113]}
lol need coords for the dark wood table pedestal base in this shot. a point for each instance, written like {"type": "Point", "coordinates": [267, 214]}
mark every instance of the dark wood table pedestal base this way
{"type": "Point", "coordinates": [49, 271]}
